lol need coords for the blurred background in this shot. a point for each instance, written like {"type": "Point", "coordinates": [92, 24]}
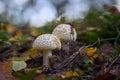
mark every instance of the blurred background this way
{"type": "Point", "coordinates": [37, 13]}
{"type": "Point", "coordinates": [93, 19]}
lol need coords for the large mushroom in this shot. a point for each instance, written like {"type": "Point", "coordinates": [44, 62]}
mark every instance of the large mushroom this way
{"type": "Point", "coordinates": [65, 32]}
{"type": "Point", "coordinates": [46, 43]}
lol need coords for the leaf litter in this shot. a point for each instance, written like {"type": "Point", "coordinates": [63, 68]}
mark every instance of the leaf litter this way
{"type": "Point", "coordinates": [75, 61]}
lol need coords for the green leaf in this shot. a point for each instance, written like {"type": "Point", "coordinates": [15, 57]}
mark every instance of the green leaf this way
{"type": "Point", "coordinates": [27, 76]}
{"type": "Point", "coordinates": [4, 38]}
{"type": "Point", "coordinates": [23, 39]}
{"type": "Point", "coordinates": [19, 65]}
{"type": "Point", "coordinates": [8, 43]}
{"type": "Point", "coordinates": [52, 78]}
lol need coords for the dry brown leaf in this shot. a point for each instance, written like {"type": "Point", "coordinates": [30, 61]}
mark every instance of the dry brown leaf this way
{"type": "Point", "coordinates": [32, 52]}
{"type": "Point", "coordinates": [106, 76]}
{"type": "Point", "coordinates": [18, 34]}
{"type": "Point", "coordinates": [6, 71]}
{"type": "Point", "coordinates": [10, 28]}
{"type": "Point", "coordinates": [112, 9]}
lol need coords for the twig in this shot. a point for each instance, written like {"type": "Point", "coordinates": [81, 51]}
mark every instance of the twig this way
{"type": "Point", "coordinates": [6, 53]}
{"type": "Point", "coordinates": [2, 58]}
{"type": "Point", "coordinates": [101, 40]}
{"type": "Point", "coordinates": [9, 50]}
{"type": "Point", "coordinates": [110, 66]}
{"type": "Point", "coordinates": [67, 61]}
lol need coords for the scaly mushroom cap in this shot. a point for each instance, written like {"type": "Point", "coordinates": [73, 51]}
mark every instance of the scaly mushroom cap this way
{"type": "Point", "coordinates": [46, 42]}
{"type": "Point", "coordinates": [65, 32]}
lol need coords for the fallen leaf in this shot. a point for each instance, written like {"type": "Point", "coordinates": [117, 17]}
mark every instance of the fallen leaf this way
{"type": "Point", "coordinates": [6, 71]}
{"type": "Point", "coordinates": [16, 36]}
{"type": "Point", "coordinates": [32, 52]}
{"type": "Point", "coordinates": [25, 76]}
{"type": "Point", "coordinates": [19, 65]}
{"type": "Point", "coordinates": [105, 76]}
{"type": "Point", "coordinates": [10, 28]}
{"type": "Point", "coordinates": [111, 9]}
{"type": "Point", "coordinates": [90, 51]}
{"type": "Point", "coordinates": [71, 74]}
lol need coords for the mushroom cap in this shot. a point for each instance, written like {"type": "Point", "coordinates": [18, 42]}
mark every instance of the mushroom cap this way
{"type": "Point", "coordinates": [65, 32]}
{"type": "Point", "coordinates": [46, 42]}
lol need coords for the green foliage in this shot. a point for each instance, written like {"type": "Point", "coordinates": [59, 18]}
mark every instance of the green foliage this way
{"type": "Point", "coordinates": [52, 78]}
{"type": "Point", "coordinates": [105, 21]}
{"type": "Point", "coordinates": [101, 19]}
{"type": "Point", "coordinates": [4, 38]}
{"type": "Point", "coordinates": [92, 19]}
{"type": "Point", "coordinates": [88, 36]}
{"type": "Point", "coordinates": [23, 39]}
{"type": "Point", "coordinates": [27, 76]}
{"type": "Point", "coordinates": [87, 66]}
{"type": "Point", "coordinates": [48, 28]}
{"type": "Point", "coordinates": [116, 51]}
{"type": "Point", "coordinates": [111, 19]}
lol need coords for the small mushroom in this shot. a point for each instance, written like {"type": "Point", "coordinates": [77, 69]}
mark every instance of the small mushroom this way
{"type": "Point", "coordinates": [46, 43]}
{"type": "Point", "coordinates": [65, 32]}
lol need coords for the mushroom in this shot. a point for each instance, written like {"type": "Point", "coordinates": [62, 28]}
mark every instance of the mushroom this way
{"type": "Point", "coordinates": [46, 43]}
{"type": "Point", "coordinates": [65, 32]}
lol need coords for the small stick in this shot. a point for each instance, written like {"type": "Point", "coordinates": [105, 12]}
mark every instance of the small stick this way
{"type": "Point", "coordinates": [68, 60]}
{"type": "Point", "coordinates": [102, 40]}
{"type": "Point", "coordinates": [110, 66]}
{"type": "Point", "coordinates": [9, 50]}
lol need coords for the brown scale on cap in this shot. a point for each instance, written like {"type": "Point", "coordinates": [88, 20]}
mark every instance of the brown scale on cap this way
{"type": "Point", "coordinates": [65, 32]}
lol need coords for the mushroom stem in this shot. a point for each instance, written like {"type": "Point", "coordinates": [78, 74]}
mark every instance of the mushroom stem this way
{"type": "Point", "coordinates": [46, 55]}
